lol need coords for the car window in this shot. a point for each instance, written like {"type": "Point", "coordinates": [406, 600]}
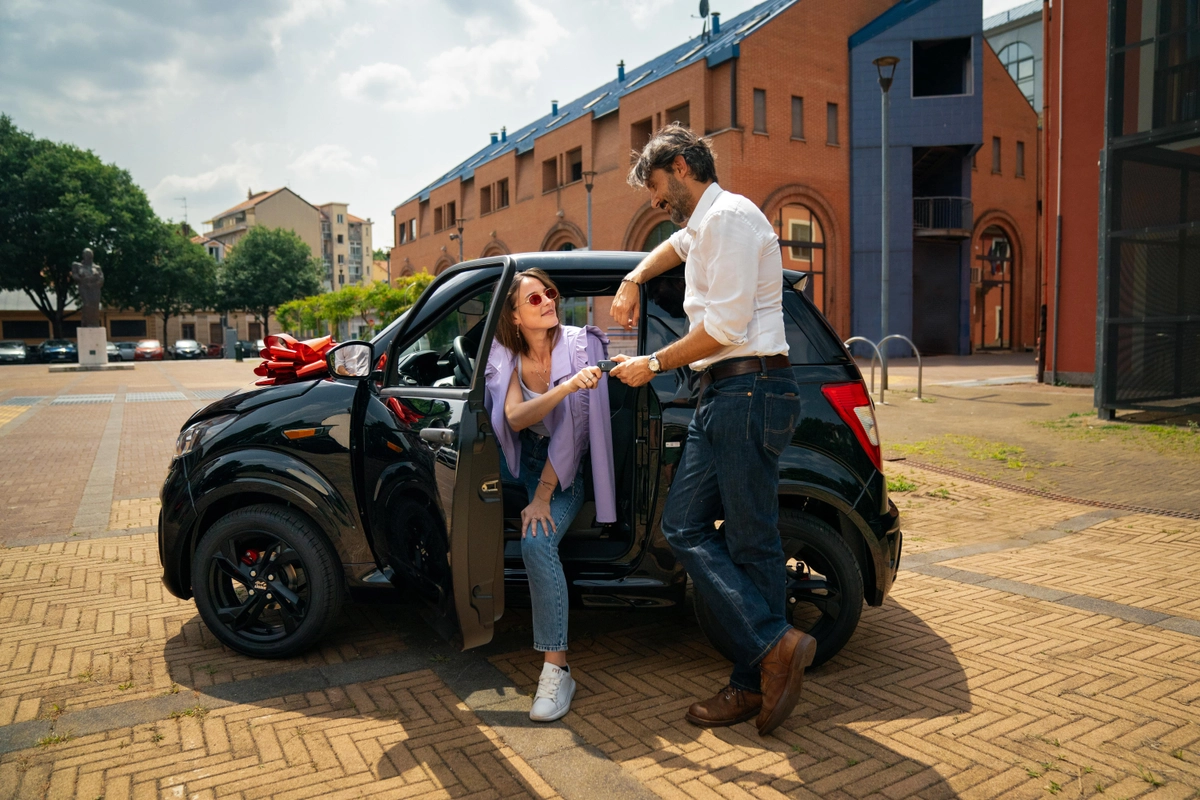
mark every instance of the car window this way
{"type": "Point", "coordinates": [428, 360]}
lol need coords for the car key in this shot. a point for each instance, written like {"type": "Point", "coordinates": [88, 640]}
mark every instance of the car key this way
{"type": "Point", "coordinates": [606, 366]}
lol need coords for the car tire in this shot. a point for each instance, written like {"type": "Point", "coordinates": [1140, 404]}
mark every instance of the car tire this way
{"type": "Point", "coordinates": [273, 615]}
{"type": "Point", "coordinates": [825, 586]}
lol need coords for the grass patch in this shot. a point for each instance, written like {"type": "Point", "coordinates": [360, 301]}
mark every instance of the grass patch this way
{"type": "Point", "coordinates": [124, 686]}
{"type": "Point", "coordinates": [1164, 439]}
{"type": "Point", "coordinates": [53, 739]}
{"type": "Point", "coordinates": [953, 448]}
{"type": "Point", "coordinates": [900, 484]}
{"type": "Point", "coordinates": [1148, 776]}
{"type": "Point", "coordinates": [195, 711]}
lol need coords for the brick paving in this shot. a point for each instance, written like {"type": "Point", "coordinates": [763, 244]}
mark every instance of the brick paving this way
{"type": "Point", "coordinates": [1022, 664]}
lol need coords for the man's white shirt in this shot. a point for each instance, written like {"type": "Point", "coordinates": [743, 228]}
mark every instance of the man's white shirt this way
{"type": "Point", "coordinates": [734, 276]}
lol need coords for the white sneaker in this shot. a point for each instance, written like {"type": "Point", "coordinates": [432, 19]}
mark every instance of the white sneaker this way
{"type": "Point", "coordinates": [555, 690]}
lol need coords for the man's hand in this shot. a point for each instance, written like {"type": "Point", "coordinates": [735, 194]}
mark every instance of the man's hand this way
{"type": "Point", "coordinates": [632, 371]}
{"type": "Point", "coordinates": [625, 306]}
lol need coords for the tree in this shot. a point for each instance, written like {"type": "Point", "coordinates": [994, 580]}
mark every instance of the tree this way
{"type": "Point", "coordinates": [267, 268]}
{"type": "Point", "coordinates": [180, 277]}
{"type": "Point", "coordinates": [55, 200]}
{"type": "Point", "coordinates": [380, 254]}
{"type": "Point", "coordinates": [378, 304]}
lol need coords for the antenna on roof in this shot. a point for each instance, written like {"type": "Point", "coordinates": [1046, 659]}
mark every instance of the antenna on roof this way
{"type": "Point", "coordinates": [184, 201]}
{"type": "Point", "coordinates": [704, 16]}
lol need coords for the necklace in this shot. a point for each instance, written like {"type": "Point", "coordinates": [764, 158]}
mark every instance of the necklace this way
{"type": "Point", "coordinates": [542, 371]}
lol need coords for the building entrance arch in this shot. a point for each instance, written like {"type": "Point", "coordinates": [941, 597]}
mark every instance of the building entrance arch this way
{"type": "Point", "coordinates": [996, 268]}
{"type": "Point", "coordinates": [809, 237]}
{"type": "Point", "coordinates": [563, 235]}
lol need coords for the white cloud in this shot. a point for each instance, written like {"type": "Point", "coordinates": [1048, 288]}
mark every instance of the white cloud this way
{"type": "Point", "coordinates": [641, 12]}
{"type": "Point", "coordinates": [225, 180]}
{"type": "Point", "coordinates": [501, 68]}
{"type": "Point", "coordinates": [325, 158]}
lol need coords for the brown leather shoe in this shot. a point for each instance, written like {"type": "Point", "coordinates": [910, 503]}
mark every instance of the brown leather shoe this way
{"type": "Point", "coordinates": [782, 676]}
{"type": "Point", "coordinates": [729, 707]}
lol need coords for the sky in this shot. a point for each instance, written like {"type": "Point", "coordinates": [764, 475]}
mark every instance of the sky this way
{"type": "Point", "coordinates": [356, 101]}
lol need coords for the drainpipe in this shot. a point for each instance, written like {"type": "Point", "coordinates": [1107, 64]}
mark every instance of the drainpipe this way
{"type": "Point", "coordinates": [1062, 18]}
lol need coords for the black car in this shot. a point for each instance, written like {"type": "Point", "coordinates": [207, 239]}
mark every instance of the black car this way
{"type": "Point", "coordinates": [13, 351]}
{"type": "Point", "coordinates": [187, 348]}
{"type": "Point", "coordinates": [53, 350]}
{"type": "Point", "coordinates": [280, 499]}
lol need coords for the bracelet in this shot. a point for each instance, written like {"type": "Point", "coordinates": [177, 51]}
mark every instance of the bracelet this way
{"type": "Point", "coordinates": [630, 280]}
{"type": "Point", "coordinates": [546, 483]}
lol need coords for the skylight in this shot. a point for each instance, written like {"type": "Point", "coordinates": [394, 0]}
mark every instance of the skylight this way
{"type": "Point", "coordinates": [692, 52]}
{"type": "Point", "coordinates": [595, 100]}
{"type": "Point", "coordinates": [634, 82]}
{"type": "Point", "coordinates": [754, 22]}
{"type": "Point", "coordinates": [557, 119]}
{"type": "Point", "coordinates": [523, 138]}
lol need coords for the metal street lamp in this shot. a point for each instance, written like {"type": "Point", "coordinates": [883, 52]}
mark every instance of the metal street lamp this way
{"type": "Point", "coordinates": [886, 65]}
{"type": "Point", "coordinates": [458, 236]}
{"type": "Point", "coordinates": [588, 178]}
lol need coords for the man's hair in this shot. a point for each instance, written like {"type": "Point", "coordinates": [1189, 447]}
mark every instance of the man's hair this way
{"type": "Point", "coordinates": [670, 141]}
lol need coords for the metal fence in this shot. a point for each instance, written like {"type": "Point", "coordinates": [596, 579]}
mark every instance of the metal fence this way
{"type": "Point", "coordinates": [942, 213]}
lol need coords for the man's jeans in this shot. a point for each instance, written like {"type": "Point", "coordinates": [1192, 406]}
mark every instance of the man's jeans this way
{"type": "Point", "coordinates": [730, 470]}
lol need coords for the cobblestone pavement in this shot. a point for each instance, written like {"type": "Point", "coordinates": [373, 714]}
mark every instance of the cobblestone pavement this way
{"type": "Point", "coordinates": [1030, 648]}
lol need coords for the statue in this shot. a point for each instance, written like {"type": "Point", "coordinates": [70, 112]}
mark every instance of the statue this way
{"type": "Point", "coordinates": [90, 278]}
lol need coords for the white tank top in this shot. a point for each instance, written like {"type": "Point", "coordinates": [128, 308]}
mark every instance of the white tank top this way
{"type": "Point", "coordinates": [527, 394]}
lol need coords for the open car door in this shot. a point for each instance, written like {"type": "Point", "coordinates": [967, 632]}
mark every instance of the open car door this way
{"type": "Point", "coordinates": [428, 444]}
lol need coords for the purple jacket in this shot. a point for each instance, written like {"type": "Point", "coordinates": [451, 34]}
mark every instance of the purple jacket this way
{"type": "Point", "coordinates": [578, 424]}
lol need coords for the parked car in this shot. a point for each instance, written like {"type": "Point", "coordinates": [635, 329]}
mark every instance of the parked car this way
{"type": "Point", "coordinates": [279, 499]}
{"type": "Point", "coordinates": [59, 350]}
{"type": "Point", "coordinates": [127, 350]}
{"type": "Point", "coordinates": [187, 348]}
{"type": "Point", "coordinates": [114, 352]}
{"type": "Point", "coordinates": [148, 350]}
{"type": "Point", "coordinates": [251, 349]}
{"type": "Point", "coordinates": [13, 351]}
{"type": "Point", "coordinates": [214, 350]}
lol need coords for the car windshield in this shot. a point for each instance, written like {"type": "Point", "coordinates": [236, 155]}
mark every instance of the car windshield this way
{"type": "Point", "coordinates": [57, 343]}
{"type": "Point", "coordinates": [187, 343]}
{"type": "Point", "coordinates": [11, 343]}
{"type": "Point", "coordinates": [148, 343]}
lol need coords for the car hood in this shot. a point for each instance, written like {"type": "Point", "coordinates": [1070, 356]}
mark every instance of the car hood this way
{"type": "Point", "coordinates": [250, 398]}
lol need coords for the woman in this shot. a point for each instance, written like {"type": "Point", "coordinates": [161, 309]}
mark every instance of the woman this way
{"type": "Point", "coordinates": [547, 414]}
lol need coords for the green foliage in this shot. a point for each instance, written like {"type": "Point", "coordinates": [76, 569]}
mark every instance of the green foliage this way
{"type": "Point", "coordinates": [378, 304]}
{"type": "Point", "coordinates": [380, 254]}
{"type": "Point", "coordinates": [180, 277]}
{"type": "Point", "coordinates": [900, 484]}
{"type": "Point", "coordinates": [267, 268]}
{"type": "Point", "coordinates": [55, 200]}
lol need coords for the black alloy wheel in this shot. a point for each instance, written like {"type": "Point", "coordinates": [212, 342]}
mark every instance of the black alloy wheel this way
{"type": "Point", "coordinates": [266, 583]}
{"type": "Point", "coordinates": [824, 586]}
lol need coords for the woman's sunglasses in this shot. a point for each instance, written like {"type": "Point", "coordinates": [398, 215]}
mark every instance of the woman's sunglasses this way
{"type": "Point", "coordinates": [535, 299]}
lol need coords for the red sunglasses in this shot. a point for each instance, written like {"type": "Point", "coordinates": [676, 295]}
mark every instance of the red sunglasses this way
{"type": "Point", "coordinates": [535, 299]}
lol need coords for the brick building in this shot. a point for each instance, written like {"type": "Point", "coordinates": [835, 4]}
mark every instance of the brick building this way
{"type": "Point", "coordinates": [772, 89]}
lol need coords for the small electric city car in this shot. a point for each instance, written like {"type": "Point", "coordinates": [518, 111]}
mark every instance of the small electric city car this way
{"type": "Point", "coordinates": [280, 500]}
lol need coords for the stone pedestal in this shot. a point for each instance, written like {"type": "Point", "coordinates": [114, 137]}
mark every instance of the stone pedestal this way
{"type": "Point", "coordinates": [231, 343]}
{"type": "Point", "coordinates": [93, 347]}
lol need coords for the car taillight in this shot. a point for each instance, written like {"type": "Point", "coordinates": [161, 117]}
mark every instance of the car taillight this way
{"type": "Point", "coordinates": [854, 406]}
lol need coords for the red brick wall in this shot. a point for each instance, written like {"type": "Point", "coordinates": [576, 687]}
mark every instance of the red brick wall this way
{"type": "Point", "coordinates": [1083, 138]}
{"type": "Point", "coordinates": [1006, 200]}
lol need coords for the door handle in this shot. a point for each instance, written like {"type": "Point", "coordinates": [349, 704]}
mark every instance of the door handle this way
{"type": "Point", "coordinates": [443, 436]}
{"type": "Point", "coordinates": [489, 487]}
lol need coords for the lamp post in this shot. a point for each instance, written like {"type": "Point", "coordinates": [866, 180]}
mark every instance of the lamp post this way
{"type": "Point", "coordinates": [458, 236]}
{"type": "Point", "coordinates": [886, 65]}
{"type": "Point", "coordinates": [588, 178]}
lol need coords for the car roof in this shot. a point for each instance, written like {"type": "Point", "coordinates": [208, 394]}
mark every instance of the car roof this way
{"type": "Point", "coordinates": [599, 261]}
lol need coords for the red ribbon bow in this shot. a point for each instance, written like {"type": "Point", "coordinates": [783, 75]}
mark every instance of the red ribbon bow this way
{"type": "Point", "coordinates": [287, 360]}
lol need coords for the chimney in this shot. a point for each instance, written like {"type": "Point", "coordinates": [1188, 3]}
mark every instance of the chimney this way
{"type": "Point", "coordinates": [554, 108]}
{"type": "Point", "coordinates": [503, 133]}
{"type": "Point", "coordinates": [249, 193]}
{"type": "Point", "coordinates": [716, 23]}
{"type": "Point", "coordinates": [495, 137]}
{"type": "Point", "coordinates": [621, 70]}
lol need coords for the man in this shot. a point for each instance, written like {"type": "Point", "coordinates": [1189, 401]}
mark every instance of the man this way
{"type": "Point", "coordinates": [748, 409]}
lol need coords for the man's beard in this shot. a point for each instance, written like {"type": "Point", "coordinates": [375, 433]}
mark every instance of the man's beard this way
{"type": "Point", "coordinates": [679, 200]}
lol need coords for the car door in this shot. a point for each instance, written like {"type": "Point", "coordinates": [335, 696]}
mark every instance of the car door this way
{"type": "Point", "coordinates": [430, 464]}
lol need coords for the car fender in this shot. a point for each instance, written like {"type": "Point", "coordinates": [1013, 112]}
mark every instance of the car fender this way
{"type": "Point", "coordinates": [216, 484]}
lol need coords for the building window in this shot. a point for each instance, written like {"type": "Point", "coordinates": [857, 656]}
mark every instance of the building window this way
{"type": "Point", "coordinates": [401, 233]}
{"type": "Point", "coordinates": [681, 114]}
{"type": "Point", "coordinates": [215, 252]}
{"type": "Point", "coordinates": [437, 219]}
{"type": "Point", "coordinates": [661, 232]}
{"type": "Point", "coordinates": [120, 327]}
{"type": "Point", "coordinates": [485, 200]}
{"type": "Point", "coordinates": [996, 154]}
{"type": "Point", "coordinates": [803, 244]}
{"type": "Point", "coordinates": [187, 330]}
{"type": "Point", "coordinates": [449, 216]}
{"type": "Point", "coordinates": [1020, 159]}
{"type": "Point", "coordinates": [254, 331]}
{"type": "Point", "coordinates": [356, 252]}
{"type": "Point", "coordinates": [341, 279]}
{"type": "Point", "coordinates": [640, 133]}
{"type": "Point", "coordinates": [550, 174]}
{"type": "Point", "coordinates": [501, 195]}
{"type": "Point", "coordinates": [941, 67]}
{"type": "Point", "coordinates": [797, 117]}
{"type": "Point", "coordinates": [831, 123]}
{"type": "Point", "coordinates": [1017, 58]}
{"type": "Point", "coordinates": [325, 229]}
{"type": "Point", "coordinates": [760, 110]}
{"type": "Point", "coordinates": [412, 229]}
{"type": "Point", "coordinates": [575, 165]}
{"type": "Point", "coordinates": [341, 219]}
{"type": "Point", "coordinates": [339, 238]}
{"type": "Point", "coordinates": [341, 258]}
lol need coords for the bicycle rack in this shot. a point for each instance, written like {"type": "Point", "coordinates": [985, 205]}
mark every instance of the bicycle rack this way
{"type": "Point", "coordinates": [878, 356]}
{"type": "Point", "coordinates": [916, 352]}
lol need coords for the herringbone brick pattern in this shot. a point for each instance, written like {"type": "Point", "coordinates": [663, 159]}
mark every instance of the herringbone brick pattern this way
{"type": "Point", "coordinates": [147, 446]}
{"type": "Point", "coordinates": [139, 512]}
{"type": "Point", "coordinates": [88, 623]}
{"type": "Point", "coordinates": [407, 736]}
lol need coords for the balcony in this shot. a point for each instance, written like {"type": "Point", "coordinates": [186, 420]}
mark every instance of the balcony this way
{"type": "Point", "coordinates": [942, 217]}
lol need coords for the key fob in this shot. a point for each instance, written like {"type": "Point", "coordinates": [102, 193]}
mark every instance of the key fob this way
{"type": "Point", "coordinates": [606, 366]}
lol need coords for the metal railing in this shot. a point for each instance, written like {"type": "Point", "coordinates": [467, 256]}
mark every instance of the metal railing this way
{"type": "Point", "coordinates": [883, 362]}
{"type": "Point", "coordinates": [942, 213]}
{"type": "Point", "coordinates": [916, 352]}
{"type": "Point", "coordinates": [875, 357]}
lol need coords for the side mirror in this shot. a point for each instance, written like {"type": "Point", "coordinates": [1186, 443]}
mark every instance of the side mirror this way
{"type": "Point", "coordinates": [351, 360]}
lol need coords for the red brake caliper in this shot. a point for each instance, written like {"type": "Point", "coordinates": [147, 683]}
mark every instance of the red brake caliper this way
{"type": "Point", "coordinates": [250, 558]}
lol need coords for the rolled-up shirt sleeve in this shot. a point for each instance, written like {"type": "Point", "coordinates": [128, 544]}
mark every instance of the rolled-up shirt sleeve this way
{"type": "Point", "coordinates": [731, 253]}
{"type": "Point", "coordinates": [681, 240]}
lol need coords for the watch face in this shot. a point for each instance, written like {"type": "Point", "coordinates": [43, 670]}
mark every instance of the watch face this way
{"type": "Point", "coordinates": [654, 365]}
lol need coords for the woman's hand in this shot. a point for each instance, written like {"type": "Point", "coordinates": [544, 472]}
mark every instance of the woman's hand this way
{"type": "Point", "coordinates": [537, 512]}
{"type": "Point", "coordinates": [586, 378]}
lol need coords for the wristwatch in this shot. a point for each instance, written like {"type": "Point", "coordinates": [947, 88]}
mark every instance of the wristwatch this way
{"type": "Point", "coordinates": [655, 367]}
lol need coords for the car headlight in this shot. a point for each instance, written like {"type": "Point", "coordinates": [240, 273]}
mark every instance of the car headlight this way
{"type": "Point", "coordinates": [191, 436]}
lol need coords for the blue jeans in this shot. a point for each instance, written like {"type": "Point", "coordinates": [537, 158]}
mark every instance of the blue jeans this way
{"type": "Point", "coordinates": [729, 470]}
{"type": "Point", "coordinates": [547, 583]}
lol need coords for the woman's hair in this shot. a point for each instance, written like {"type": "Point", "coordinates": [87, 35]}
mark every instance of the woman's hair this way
{"type": "Point", "coordinates": [507, 332]}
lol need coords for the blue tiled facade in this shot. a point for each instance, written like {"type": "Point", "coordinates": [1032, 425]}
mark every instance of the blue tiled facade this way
{"type": "Point", "coordinates": [914, 122]}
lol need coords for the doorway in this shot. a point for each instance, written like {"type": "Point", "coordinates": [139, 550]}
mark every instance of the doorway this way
{"type": "Point", "coordinates": [936, 297]}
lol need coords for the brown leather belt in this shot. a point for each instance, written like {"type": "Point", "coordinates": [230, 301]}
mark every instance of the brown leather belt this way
{"type": "Point", "coordinates": [741, 366]}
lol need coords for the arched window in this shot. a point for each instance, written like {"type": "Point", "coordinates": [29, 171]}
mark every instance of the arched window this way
{"type": "Point", "coordinates": [567, 246]}
{"type": "Point", "coordinates": [802, 242]}
{"type": "Point", "coordinates": [662, 231]}
{"type": "Point", "coordinates": [1017, 58]}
